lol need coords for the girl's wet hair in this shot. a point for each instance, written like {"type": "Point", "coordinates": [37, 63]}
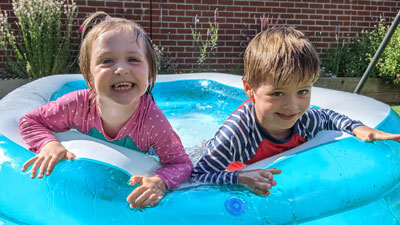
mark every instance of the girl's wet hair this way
{"type": "Point", "coordinates": [280, 55]}
{"type": "Point", "coordinates": [99, 23]}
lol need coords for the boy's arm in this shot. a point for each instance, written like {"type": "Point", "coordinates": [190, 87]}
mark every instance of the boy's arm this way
{"type": "Point", "coordinates": [366, 133]}
{"type": "Point", "coordinates": [211, 167]}
{"type": "Point", "coordinates": [331, 120]}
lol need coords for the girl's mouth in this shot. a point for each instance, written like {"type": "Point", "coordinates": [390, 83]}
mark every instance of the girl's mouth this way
{"type": "Point", "coordinates": [122, 86]}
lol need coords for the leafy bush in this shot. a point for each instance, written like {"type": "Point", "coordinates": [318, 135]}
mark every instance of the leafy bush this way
{"type": "Point", "coordinates": [41, 45]}
{"type": "Point", "coordinates": [165, 64]}
{"type": "Point", "coordinates": [351, 59]}
{"type": "Point", "coordinates": [207, 45]}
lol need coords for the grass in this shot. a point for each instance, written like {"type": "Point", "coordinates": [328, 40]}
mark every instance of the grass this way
{"type": "Point", "coordinates": [396, 108]}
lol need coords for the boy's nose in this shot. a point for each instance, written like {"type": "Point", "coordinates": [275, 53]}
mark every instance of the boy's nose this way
{"type": "Point", "coordinates": [291, 102]}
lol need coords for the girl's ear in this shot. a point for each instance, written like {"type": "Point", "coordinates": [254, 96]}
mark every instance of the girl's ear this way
{"type": "Point", "coordinates": [247, 89]}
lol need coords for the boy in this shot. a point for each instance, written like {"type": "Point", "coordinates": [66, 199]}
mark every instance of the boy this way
{"type": "Point", "coordinates": [280, 67]}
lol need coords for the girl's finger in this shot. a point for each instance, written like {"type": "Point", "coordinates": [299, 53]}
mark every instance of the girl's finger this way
{"type": "Point", "coordinates": [69, 156]}
{"type": "Point", "coordinates": [156, 201]}
{"type": "Point", "coordinates": [141, 199]}
{"type": "Point", "coordinates": [134, 194]}
{"type": "Point", "coordinates": [36, 166]}
{"type": "Point", "coordinates": [28, 163]}
{"type": "Point", "coordinates": [52, 163]}
{"type": "Point", "coordinates": [43, 167]}
{"type": "Point", "coordinates": [136, 180]}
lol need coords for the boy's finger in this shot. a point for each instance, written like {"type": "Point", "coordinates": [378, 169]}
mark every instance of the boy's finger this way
{"type": "Point", "coordinates": [275, 171]}
{"type": "Point", "coordinates": [262, 186]}
{"type": "Point", "coordinates": [261, 192]}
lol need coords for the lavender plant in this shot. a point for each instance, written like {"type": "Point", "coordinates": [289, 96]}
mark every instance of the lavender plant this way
{"type": "Point", "coordinates": [41, 45]}
{"type": "Point", "coordinates": [204, 47]}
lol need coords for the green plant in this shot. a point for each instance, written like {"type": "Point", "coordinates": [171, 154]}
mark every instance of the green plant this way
{"type": "Point", "coordinates": [165, 64]}
{"type": "Point", "coordinates": [41, 45]}
{"type": "Point", "coordinates": [351, 59]}
{"type": "Point", "coordinates": [396, 109]}
{"type": "Point", "coordinates": [204, 47]}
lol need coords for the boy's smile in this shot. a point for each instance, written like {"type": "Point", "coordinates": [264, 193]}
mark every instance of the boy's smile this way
{"type": "Point", "coordinates": [278, 107]}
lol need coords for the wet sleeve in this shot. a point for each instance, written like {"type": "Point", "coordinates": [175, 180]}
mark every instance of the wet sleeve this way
{"type": "Point", "coordinates": [36, 126]}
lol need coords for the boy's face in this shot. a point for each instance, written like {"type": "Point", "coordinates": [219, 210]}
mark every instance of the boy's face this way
{"type": "Point", "coordinates": [278, 107]}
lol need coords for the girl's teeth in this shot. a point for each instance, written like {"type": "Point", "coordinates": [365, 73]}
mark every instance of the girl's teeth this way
{"type": "Point", "coordinates": [122, 86]}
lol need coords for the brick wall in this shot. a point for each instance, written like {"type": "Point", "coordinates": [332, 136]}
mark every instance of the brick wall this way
{"type": "Point", "coordinates": [169, 23]}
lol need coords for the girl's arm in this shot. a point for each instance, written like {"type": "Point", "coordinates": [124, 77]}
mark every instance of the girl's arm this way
{"type": "Point", "coordinates": [58, 116]}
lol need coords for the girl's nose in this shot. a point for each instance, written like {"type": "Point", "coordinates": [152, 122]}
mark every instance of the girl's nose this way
{"type": "Point", "coordinates": [121, 71]}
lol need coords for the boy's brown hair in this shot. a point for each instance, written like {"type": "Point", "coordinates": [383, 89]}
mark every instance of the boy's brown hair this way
{"type": "Point", "coordinates": [280, 54]}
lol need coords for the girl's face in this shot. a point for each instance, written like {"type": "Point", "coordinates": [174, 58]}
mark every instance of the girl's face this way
{"type": "Point", "coordinates": [119, 68]}
{"type": "Point", "coordinates": [278, 107]}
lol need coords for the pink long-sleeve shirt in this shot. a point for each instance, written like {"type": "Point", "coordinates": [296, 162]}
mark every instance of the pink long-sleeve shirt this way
{"type": "Point", "coordinates": [148, 127]}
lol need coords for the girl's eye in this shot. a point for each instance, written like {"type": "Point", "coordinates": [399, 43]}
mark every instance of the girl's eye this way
{"type": "Point", "coordinates": [133, 60]}
{"type": "Point", "coordinates": [303, 92]}
{"type": "Point", "coordinates": [107, 61]}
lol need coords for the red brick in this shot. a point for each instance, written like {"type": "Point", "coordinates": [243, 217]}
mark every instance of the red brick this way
{"type": "Point", "coordinates": [95, 3]}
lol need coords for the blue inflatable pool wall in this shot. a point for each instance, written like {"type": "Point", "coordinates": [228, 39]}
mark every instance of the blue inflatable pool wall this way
{"type": "Point", "coordinates": [344, 181]}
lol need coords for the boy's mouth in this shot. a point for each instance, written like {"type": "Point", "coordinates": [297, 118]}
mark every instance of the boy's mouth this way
{"type": "Point", "coordinates": [122, 86]}
{"type": "Point", "coordinates": [286, 117]}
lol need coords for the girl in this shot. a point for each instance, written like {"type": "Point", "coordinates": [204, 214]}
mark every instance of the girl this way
{"type": "Point", "coordinates": [118, 63]}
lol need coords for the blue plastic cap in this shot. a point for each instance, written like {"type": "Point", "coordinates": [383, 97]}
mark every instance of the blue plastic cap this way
{"type": "Point", "coordinates": [235, 206]}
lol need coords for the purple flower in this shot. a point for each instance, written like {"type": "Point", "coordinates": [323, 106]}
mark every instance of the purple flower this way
{"type": "Point", "coordinates": [80, 28]}
{"type": "Point", "coordinates": [196, 20]}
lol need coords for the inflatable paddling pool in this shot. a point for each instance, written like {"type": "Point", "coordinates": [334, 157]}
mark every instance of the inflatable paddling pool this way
{"type": "Point", "coordinates": [332, 179]}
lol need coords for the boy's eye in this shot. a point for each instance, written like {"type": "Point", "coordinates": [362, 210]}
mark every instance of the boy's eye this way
{"type": "Point", "coordinates": [277, 94]}
{"type": "Point", "coordinates": [303, 92]}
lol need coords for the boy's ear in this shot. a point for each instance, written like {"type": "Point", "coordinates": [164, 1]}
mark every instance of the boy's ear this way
{"type": "Point", "coordinates": [247, 89]}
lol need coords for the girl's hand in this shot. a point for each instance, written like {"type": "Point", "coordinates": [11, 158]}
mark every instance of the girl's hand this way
{"type": "Point", "coordinates": [47, 159]}
{"type": "Point", "coordinates": [149, 192]}
{"type": "Point", "coordinates": [370, 134]}
{"type": "Point", "coordinates": [260, 180]}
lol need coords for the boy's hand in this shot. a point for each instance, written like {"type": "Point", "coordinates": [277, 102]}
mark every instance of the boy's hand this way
{"type": "Point", "coordinates": [369, 134]}
{"type": "Point", "coordinates": [150, 191]}
{"type": "Point", "coordinates": [260, 180]}
{"type": "Point", "coordinates": [47, 159]}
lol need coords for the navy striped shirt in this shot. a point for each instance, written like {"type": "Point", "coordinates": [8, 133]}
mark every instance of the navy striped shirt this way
{"type": "Point", "coordinates": [240, 136]}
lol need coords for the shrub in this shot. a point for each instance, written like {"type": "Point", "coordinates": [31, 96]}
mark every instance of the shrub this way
{"type": "Point", "coordinates": [351, 59]}
{"type": "Point", "coordinates": [40, 47]}
{"type": "Point", "coordinates": [207, 45]}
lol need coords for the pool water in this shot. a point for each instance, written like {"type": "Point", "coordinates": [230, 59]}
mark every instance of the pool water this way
{"type": "Point", "coordinates": [195, 108]}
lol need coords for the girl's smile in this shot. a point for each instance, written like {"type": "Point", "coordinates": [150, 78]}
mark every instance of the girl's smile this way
{"type": "Point", "coordinates": [119, 68]}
